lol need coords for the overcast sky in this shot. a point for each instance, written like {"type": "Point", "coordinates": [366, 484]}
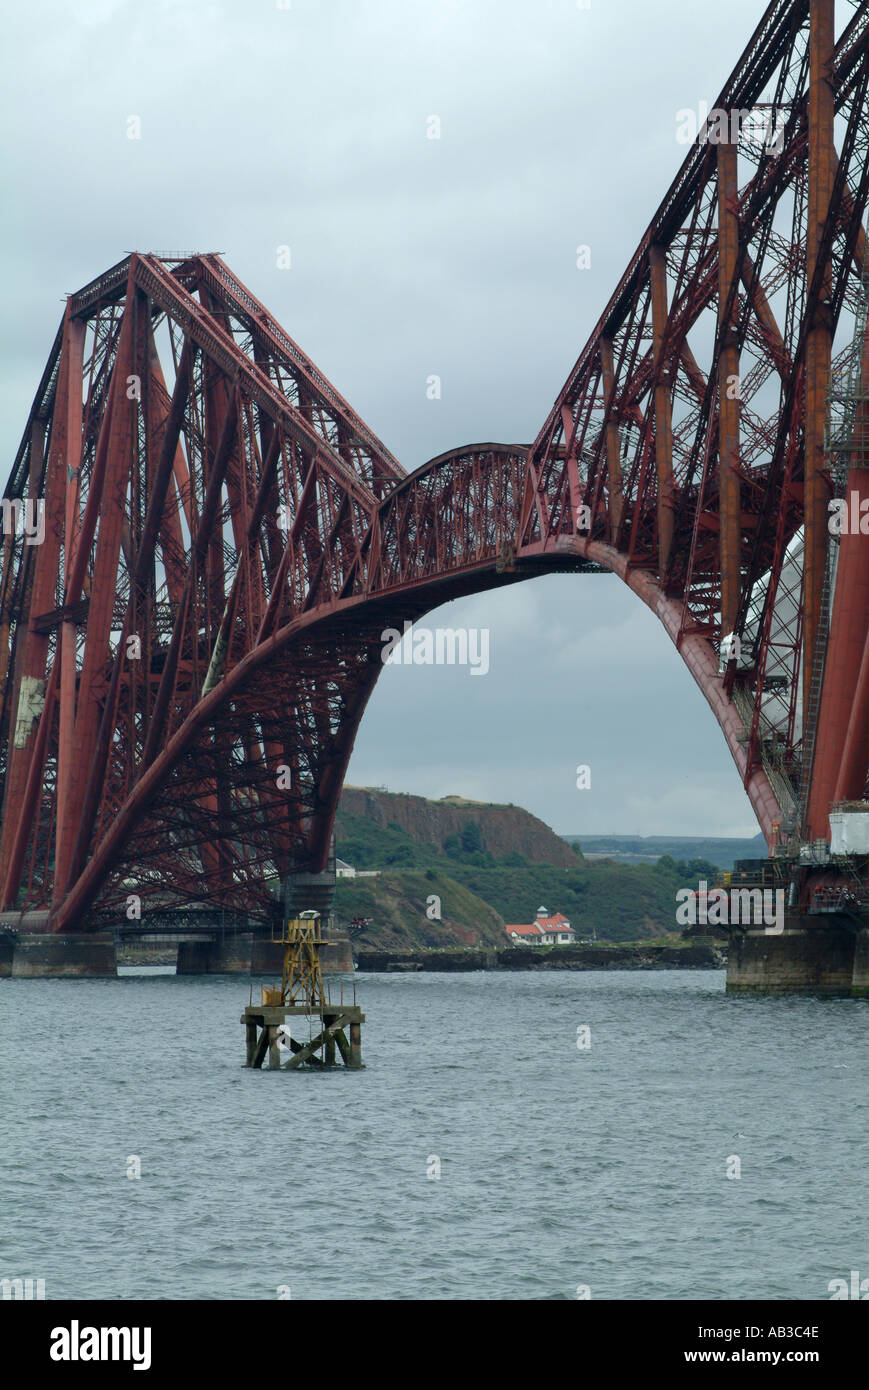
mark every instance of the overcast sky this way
{"type": "Point", "coordinates": [307, 127]}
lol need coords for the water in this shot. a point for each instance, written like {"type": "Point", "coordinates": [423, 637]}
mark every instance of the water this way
{"type": "Point", "coordinates": [559, 1167]}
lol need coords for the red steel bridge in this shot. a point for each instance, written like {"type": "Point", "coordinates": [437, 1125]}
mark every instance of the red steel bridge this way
{"type": "Point", "coordinates": [188, 645]}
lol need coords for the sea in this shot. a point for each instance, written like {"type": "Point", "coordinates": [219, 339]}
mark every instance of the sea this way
{"type": "Point", "coordinates": [605, 1135]}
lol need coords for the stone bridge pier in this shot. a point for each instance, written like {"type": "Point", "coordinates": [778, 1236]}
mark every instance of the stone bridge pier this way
{"type": "Point", "coordinates": [255, 953]}
{"type": "Point", "coordinates": [28, 949]}
{"type": "Point", "coordinates": [815, 956]}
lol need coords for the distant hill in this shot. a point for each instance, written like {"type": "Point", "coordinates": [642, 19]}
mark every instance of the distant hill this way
{"type": "Point", "coordinates": [644, 849]}
{"type": "Point", "coordinates": [487, 865]}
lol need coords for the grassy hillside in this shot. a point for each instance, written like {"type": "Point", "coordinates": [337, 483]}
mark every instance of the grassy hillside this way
{"type": "Point", "coordinates": [615, 902]}
{"type": "Point", "coordinates": [399, 902]}
{"type": "Point", "coordinates": [368, 846]}
{"type": "Point", "coordinates": [480, 891]}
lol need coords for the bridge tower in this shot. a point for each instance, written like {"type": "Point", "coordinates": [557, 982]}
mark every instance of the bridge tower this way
{"type": "Point", "coordinates": [825, 869]}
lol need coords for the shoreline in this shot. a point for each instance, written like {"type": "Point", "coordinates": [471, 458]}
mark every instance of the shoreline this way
{"type": "Point", "coordinates": [708, 956]}
{"type": "Point", "coordinates": [693, 957]}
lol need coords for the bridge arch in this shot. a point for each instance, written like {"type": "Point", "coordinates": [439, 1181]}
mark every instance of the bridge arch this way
{"type": "Point", "coordinates": [430, 556]}
{"type": "Point", "coordinates": [222, 539]}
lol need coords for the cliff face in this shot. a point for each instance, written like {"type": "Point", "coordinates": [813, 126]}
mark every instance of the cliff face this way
{"type": "Point", "coordinates": [504, 829]}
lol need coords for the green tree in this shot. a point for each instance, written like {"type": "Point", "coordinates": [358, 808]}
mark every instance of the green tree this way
{"type": "Point", "coordinates": [701, 868]}
{"type": "Point", "coordinates": [472, 839]}
{"type": "Point", "coordinates": [666, 865]}
{"type": "Point", "coordinates": [402, 855]}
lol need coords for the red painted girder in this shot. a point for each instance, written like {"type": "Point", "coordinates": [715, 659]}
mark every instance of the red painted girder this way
{"type": "Point", "coordinates": [248, 309]}
{"type": "Point", "coordinates": [198, 324]}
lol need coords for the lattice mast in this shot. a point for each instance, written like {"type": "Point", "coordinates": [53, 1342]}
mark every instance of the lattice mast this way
{"type": "Point", "coordinates": [302, 978]}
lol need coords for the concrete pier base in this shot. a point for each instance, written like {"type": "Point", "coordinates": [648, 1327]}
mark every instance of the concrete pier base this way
{"type": "Point", "coordinates": [336, 957]}
{"type": "Point", "coordinates": [7, 953]}
{"type": "Point", "coordinates": [36, 955]}
{"type": "Point", "coordinates": [231, 956]}
{"type": "Point", "coordinates": [860, 981]}
{"type": "Point", "coordinates": [245, 954]}
{"type": "Point", "coordinates": [817, 955]}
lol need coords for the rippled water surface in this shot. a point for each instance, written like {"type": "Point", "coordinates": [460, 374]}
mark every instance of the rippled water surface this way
{"type": "Point", "coordinates": [559, 1167]}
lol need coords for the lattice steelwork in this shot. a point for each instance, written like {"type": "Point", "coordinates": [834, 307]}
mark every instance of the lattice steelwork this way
{"type": "Point", "coordinates": [185, 658]}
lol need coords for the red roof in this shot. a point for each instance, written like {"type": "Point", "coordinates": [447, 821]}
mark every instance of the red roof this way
{"type": "Point", "coordinates": [542, 925]}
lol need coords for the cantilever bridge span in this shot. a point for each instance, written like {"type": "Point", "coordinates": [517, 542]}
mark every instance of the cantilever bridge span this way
{"type": "Point", "coordinates": [186, 653]}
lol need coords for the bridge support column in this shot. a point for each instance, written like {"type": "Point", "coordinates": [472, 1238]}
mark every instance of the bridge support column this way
{"type": "Point", "coordinates": [7, 952]}
{"type": "Point", "coordinates": [229, 955]}
{"type": "Point", "coordinates": [812, 955]}
{"type": "Point", "coordinates": [819, 339]}
{"type": "Point", "coordinates": [36, 955]}
{"type": "Point", "coordinates": [729, 393]}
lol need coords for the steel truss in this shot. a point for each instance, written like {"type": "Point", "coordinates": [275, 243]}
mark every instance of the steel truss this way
{"type": "Point", "coordinates": [187, 654]}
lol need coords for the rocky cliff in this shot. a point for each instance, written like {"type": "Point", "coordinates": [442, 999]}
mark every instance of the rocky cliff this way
{"type": "Point", "coordinates": [504, 829]}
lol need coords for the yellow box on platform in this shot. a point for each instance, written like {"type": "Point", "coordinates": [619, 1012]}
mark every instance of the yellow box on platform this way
{"type": "Point", "coordinates": [272, 994]}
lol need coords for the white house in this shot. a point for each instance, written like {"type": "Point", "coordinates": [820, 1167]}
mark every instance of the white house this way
{"type": "Point", "coordinates": [545, 930]}
{"type": "Point", "coordinates": [343, 870]}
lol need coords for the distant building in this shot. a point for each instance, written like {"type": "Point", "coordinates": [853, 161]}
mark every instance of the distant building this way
{"type": "Point", "coordinates": [545, 930]}
{"type": "Point", "coordinates": [345, 870]}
